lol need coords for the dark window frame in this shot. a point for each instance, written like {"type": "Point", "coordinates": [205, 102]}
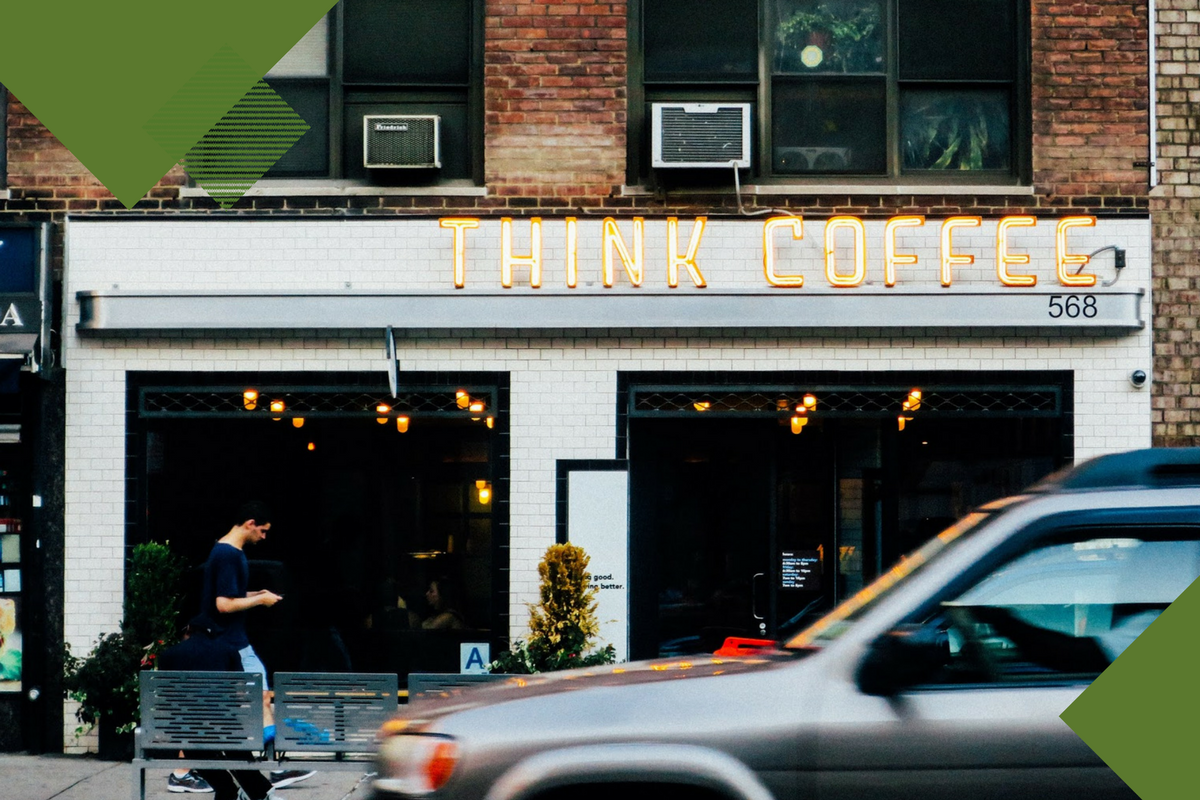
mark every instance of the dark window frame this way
{"type": "Point", "coordinates": [759, 93]}
{"type": "Point", "coordinates": [3, 136]}
{"type": "Point", "coordinates": [398, 93]}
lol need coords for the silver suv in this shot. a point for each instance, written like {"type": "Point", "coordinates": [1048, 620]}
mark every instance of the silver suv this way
{"type": "Point", "coordinates": [945, 678]}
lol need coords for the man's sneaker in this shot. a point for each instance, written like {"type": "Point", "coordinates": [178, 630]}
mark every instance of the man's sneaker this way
{"type": "Point", "coordinates": [286, 777]}
{"type": "Point", "coordinates": [270, 795]}
{"type": "Point", "coordinates": [190, 782]}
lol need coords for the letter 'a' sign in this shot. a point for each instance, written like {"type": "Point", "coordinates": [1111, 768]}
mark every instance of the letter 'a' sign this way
{"type": "Point", "coordinates": [474, 657]}
{"type": "Point", "coordinates": [22, 287]}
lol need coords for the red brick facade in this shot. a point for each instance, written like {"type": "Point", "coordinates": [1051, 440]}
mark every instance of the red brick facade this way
{"type": "Point", "coordinates": [555, 98]}
{"type": "Point", "coordinates": [1089, 100]}
{"type": "Point", "coordinates": [555, 126]}
{"type": "Point", "coordinates": [1175, 206]}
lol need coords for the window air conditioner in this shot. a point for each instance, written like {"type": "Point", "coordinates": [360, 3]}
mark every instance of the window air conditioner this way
{"type": "Point", "coordinates": [391, 142]}
{"type": "Point", "coordinates": [701, 135]}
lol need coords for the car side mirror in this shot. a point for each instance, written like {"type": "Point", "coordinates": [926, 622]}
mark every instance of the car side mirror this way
{"type": "Point", "coordinates": [903, 657]}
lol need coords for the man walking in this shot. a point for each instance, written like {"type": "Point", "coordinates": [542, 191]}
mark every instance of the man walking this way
{"type": "Point", "coordinates": [226, 599]}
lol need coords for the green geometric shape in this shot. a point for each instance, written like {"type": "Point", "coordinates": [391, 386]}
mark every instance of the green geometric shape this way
{"type": "Point", "coordinates": [201, 99]}
{"type": "Point", "coordinates": [247, 142]}
{"type": "Point", "coordinates": [1141, 715]}
{"type": "Point", "coordinates": [95, 73]}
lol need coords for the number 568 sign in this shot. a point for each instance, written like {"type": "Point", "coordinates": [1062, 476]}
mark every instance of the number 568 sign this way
{"type": "Point", "coordinates": [1073, 306]}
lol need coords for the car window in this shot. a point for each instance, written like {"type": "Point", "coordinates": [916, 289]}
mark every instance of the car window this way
{"type": "Point", "coordinates": [1068, 608]}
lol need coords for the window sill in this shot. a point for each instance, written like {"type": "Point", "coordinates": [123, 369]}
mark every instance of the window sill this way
{"type": "Point", "coordinates": [344, 188]}
{"type": "Point", "coordinates": [921, 189]}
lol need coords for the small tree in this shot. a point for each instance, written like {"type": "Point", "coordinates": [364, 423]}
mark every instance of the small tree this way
{"type": "Point", "coordinates": [563, 624]}
{"type": "Point", "coordinates": [152, 596]}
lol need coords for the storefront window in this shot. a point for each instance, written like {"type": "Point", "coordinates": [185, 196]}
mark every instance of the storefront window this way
{"type": "Point", "coordinates": [742, 524]}
{"type": "Point", "coordinates": [384, 538]}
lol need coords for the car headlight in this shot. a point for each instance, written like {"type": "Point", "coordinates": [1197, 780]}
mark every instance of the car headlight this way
{"type": "Point", "coordinates": [415, 764]}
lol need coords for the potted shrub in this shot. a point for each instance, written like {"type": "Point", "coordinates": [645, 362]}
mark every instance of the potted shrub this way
{"type": "Point", "coordinates": [563, 625]}
{"type": "Point", "coordinates": [105, 681]}
{"type": "Point", "coordinates": [847, 35]}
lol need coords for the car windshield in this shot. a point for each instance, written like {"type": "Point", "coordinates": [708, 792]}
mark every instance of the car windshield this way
{"type": "Point", "coordinates": [838, 621]}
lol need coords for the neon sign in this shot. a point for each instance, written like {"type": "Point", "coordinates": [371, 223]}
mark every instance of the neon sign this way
{"type": "Point", "coordinates": [629, 252]}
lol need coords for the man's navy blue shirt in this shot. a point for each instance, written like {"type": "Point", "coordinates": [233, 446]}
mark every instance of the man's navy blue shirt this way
{"type": "Point", "coordinates": [226, 574]}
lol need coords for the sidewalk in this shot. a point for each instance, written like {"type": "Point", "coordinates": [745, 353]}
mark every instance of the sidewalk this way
{"type": "Point", "coordinates": [59, 777]}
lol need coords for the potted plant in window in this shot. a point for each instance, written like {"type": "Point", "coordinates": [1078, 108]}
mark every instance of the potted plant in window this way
{"type": "Point", "coordinates": [838, 37]}
{"type": "Point", "coordinates": [105, 681]}
{"type": "Point", "coordinates": [955, 132]}
{"type": "Point", "coordinates": [563, 625]}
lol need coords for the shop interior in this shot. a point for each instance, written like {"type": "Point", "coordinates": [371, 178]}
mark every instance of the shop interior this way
{"type": "Point", "coordinates": [751, 527]}
{"type": "Point", "coordinates": [368, 514]}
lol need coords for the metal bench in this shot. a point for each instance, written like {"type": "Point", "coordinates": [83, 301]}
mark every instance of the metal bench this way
{"type": "Point", "coordinates": [325, 721]}
{"type": "Point", "coordinates": [428, 685]}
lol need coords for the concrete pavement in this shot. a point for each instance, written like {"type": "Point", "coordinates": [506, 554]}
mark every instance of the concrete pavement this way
{"type": "Point", "coordinates": [61, 777]}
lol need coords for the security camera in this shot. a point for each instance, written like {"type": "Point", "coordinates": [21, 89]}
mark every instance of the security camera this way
{"type": "Point", "coordinates": [1138, 378]}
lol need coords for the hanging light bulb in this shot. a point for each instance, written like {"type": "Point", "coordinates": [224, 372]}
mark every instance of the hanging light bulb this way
{"type": "Point", "coordinates": [798, 423]}
{"type": "Point", "coordinates": [250, 399]}
{"type": "Point", "coordinates": [491, 422]}
{"type": "Point", "coordinates": [702, 406]}
{"type": "Point", "coordinates": [382, 408]}
{"type": "Point", "coordinates": [902, 420]}
{"type": "Point", "coordinates": [312, 446]}
{"type": "Point", "coordinates": [462, 398]}
{"type": "Point", "coordinates": [277, 408]}
{"type": "Point", "coordinates": [485, 492]}
{"type": "Point", "coordinates": [402, 424]}
{"type": "Point", "coordinates": [913, 401]}
{"type": "Point", "coordinates": [476, 407]}
{"type": "Point", "coordinates": [297, 422]}
{"type": "Point", "coordinates": [809, 401]}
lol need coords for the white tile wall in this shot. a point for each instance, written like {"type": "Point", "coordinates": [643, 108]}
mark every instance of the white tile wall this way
{"type": "Point", "coordinates": [291, 256]}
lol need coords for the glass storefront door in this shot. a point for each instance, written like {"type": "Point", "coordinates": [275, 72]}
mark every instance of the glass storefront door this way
{"type": "Point", "coordinates": [740, 527]}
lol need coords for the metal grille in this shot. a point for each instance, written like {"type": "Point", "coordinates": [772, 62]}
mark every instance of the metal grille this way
{"type": "Point", "coordinates": [841, 402]}
{"type": "Point", "coordinates": [690, 137]}
{"type": "Point", "coordinates": [202, 710]}
{"type": "Point", "coordinates": [229, 402]}
{"type": "Point", "coordinates": [331, 712]}
{"type": "Point", "coordinates": [401, 141]}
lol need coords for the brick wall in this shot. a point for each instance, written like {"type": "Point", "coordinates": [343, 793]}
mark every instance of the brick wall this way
{"type": "Point", "coordinates": [555, 97]}
{"type": "Point", "coordinates": [555, 116]}
{"type": "Point", "coordinates": [1090, 101]}
{"type": "Point", "coordinates": [1176, 217]}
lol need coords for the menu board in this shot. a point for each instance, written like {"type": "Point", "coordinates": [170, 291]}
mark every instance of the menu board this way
{"type": "Point", "coordinates": [800, 569]}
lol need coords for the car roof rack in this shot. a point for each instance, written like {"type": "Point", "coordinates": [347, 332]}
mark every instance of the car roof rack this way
{"type": "Point", "coordinates": [1160, 467]}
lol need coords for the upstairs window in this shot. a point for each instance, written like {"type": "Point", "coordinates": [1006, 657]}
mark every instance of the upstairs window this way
{"type": "Point", "coordinates": [921, 90]}
{"type": "Point", "coordinates": [386, 57]}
